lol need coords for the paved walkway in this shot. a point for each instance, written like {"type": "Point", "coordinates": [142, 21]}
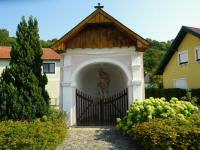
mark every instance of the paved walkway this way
{"type": "Point", "coordinates": [96, 139]}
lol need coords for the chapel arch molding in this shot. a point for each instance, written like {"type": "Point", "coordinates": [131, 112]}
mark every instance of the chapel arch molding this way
{"type": "Point", "coordinates": [97, 61]}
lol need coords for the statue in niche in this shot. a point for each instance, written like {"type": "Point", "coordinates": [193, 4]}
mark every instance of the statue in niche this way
{"type": "Point", "coordinates": [103, 83]}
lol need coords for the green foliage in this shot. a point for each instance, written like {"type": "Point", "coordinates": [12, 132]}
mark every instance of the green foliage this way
{"type": "Point", "coordinates": [5, 39]}
{"type": "Point", "coordinates": [190, 98]}
{"type": "Point", "coordinates": [168, 134]}
{"type": "Point", "coordinates": [142, 111]}
{"type": "Point", "coordinates": [23, 95]}
{"type": "Point", "coordinates": [37, 60]}
{"type": "Point", "coordinates": [42, 134]}
{"type": "Point", "coordinates": [48, 43]}
{"type": "Point", "coordinates": [20, 96]}
{"type": "Point", "coordinates": [152, 59]}
{"type": "Point", "coordinates": [196, 93]}
{"type": "Point", "coordinates": [167, 93]}
{"type": "Point", "coordinates": [156, 81]}
{"type": "Point", "coordinates": [154, 54]}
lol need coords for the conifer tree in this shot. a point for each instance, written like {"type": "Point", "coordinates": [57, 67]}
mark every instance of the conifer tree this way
{"type": "Point", "coordinates": [36, 66]}
{"type": "Point", "coordinates": [22, 95]}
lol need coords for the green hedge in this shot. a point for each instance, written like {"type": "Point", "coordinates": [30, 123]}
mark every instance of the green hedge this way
{"type": "Point", "coordinates": [165, 134]}
{"type": "Point", "coordinates": [167, 93]}
{"type": "Point", "coordinates": [196, 93]}
{"type": "Point", "coordinates": [44, 133]}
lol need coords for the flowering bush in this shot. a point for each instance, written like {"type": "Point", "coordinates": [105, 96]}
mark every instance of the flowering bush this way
{"type": "Point", "coordinates": [142, 111]}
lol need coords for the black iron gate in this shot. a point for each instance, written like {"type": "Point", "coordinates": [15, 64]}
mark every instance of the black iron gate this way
{"type": "Point", "coordinates": [98, 111]}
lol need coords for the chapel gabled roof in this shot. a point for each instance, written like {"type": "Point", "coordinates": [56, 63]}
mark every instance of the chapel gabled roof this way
{"type": "Point", "coordinates": [99, 16]}
{"type": "Point", "coordinates": [175, 44]}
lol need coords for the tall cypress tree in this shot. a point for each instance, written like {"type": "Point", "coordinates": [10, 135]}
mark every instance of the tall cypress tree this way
{"type": "Point", "coordinates": [36, 46]}
{"type": "Point", "coordinates": [22, 95]}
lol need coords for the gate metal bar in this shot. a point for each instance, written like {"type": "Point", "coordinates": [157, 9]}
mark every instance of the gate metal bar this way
{"type": "Point", "coordinates": [95, 111]}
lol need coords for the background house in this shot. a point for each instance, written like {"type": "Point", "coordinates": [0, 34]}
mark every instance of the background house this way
{"type": "Point", "coordinates": [51, 66]}
{"type": "Point", "coordinates": [181, 65]}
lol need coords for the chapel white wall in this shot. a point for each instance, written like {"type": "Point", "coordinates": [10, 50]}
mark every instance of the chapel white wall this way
{"type": "Point", "coordinates": [74, 60]}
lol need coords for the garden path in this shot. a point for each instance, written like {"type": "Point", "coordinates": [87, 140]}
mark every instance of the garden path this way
{"type": "Point", "coordinates": [84, 138]}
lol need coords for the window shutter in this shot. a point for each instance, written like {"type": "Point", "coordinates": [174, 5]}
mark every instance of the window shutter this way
{"type": "Point", "coordinates": [52, 68]}
{"type": "Point", "coordinates": [45, 68]}
{"type": "Point", "coordinates": [183, 57]}
{"type": "Point", "coordinates": [180, 83]}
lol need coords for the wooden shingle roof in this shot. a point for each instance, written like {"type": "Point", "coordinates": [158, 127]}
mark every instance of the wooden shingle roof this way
{"type": "Point", "coordinates": [100, 18]}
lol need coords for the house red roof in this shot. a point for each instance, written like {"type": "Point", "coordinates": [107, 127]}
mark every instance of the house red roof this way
{"type": "Point", "coordinates": [48, 53]}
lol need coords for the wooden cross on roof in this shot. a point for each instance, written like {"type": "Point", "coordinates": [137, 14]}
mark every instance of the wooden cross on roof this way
{"type": "Point", "coordinates": [98, 6]}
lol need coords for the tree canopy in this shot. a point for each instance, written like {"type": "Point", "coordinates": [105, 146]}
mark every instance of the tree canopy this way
{"type": "Point", "coordinates": [154, 54]}
{"type": "Point", "coordinates": [48, 43]}
{"type": "Point", "coordinates": [5, 39]}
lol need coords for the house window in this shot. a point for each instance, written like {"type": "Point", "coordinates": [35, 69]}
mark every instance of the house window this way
{"type": "Point", "coordinates": [180, 83]}
{"type": "Point", "coordinates": [183, 57]}
{"type": "Point", "coordinates": [49, 67]}
{"type": "Point", "coordinates": [198, 53]}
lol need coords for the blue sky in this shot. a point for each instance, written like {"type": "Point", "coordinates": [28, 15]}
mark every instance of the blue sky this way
{"type": "Point", "coordinates": [157, 19]}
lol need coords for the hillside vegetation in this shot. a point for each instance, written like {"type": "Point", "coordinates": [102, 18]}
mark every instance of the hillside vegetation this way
{"type": "Point", "coordinates": [7, 40]}
{"type": "Point", "coordinates": [152, 57]}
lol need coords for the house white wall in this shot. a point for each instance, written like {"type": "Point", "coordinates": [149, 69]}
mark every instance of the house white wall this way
{"type": "Point", "coordinates": [77, 62]}
{"type": "Point", "coordinates": [3, 64]}
{"type": "Point", "coordinates": [53, 85]}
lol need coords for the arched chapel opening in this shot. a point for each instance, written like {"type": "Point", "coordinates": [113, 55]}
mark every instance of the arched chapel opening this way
{"type": "Point", "coordinates": [94, 77]}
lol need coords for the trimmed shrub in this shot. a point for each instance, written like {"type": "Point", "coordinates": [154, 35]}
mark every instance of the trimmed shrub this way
{"type": "Point", "coordinates": [168, 134]}
{"type": "Point", "coordinates": [152, 92]}
{"type": "Point", "coordinates": [142, 111]}
{"type": "Point", "coordinates": [44, 133]}
{"type": "Point", "coordinates": [167, 93]}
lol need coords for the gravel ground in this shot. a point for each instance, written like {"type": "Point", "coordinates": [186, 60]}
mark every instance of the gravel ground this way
{"type": "Point", "coordinates": [82, 138]}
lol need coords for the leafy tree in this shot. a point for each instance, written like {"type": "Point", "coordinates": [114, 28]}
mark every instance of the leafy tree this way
{"type": "Point", "coordinates": [152, 59]}
{"type": "Point", "coordinates": [5, 39]}
{"type": "Point", "coordinates": [154, 54]}
{"type": "Point", "coordinates": [22, 87]}
{"type": "Point", "coordinates": [4, 35]}
{"type": "Point", "coordinates": [47, 43]}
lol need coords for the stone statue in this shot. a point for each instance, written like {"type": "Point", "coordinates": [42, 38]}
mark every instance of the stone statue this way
{"type": "Point", "coordinates": [103, 84]}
